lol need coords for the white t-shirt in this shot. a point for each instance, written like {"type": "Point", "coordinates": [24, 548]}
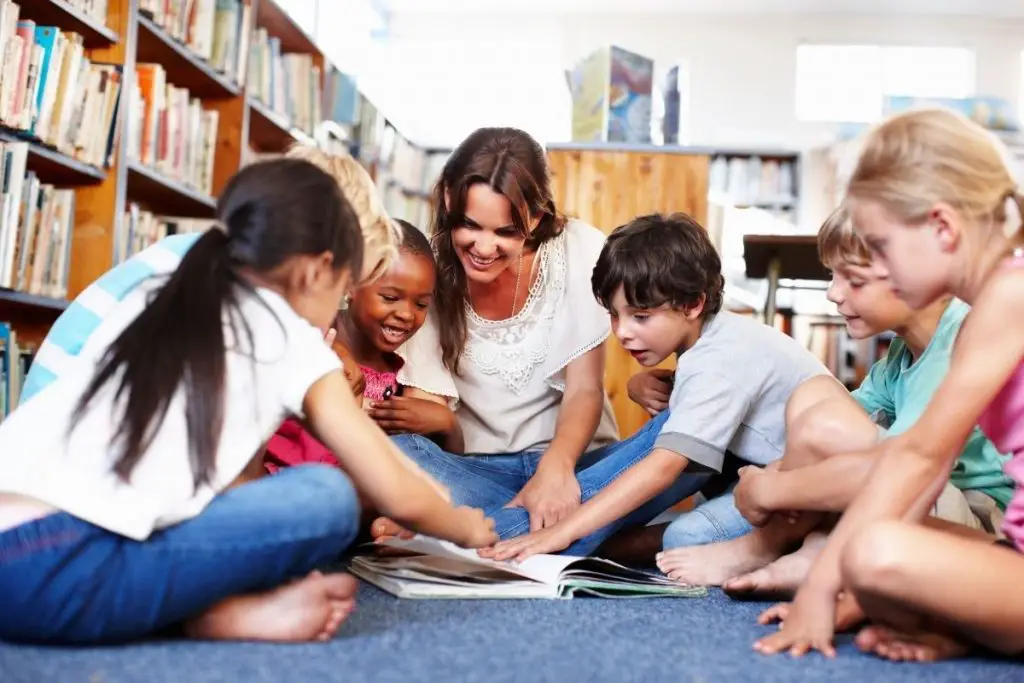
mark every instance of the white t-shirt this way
{"type": "Point", "coordinates": [72, 469]}
{"type": "Point", "coordinates": [512, 373]}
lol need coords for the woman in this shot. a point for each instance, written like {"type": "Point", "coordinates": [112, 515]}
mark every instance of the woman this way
{"type": "Point", "coordinates": [522, 342]}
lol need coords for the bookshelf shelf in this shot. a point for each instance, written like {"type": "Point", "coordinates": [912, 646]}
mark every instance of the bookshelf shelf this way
{"type": "Point", "coordinates": [52, 166]}
{"type": "Point", "coordinates": [43, 303]}
{"type": "Point", "coordinates": [69, 18]}
{"type": "Point", "coordinates": [184, 68]}
{"type": "Point", "coordinates": [269, 131]}
{"type": "Point", "coordinates": [166, 195]}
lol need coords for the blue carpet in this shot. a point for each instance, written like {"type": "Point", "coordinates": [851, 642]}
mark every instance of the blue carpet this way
{"type": "Point", "coordinates": [586, 639]}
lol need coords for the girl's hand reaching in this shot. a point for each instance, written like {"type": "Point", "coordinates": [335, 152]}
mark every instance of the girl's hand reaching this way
{"type": "Point", "coordinates": [479, 528]}
{"type": "Point", "coordinates": [402, 414]}
{"type": "Point", "coordinates": [809, 625]}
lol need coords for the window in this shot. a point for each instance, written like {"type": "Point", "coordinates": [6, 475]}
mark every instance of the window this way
{"type": "Point", "coordinates": [849, 83]}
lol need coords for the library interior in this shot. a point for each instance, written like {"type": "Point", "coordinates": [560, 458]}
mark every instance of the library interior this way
{"type": "Point", "coordinates": [123, 122]}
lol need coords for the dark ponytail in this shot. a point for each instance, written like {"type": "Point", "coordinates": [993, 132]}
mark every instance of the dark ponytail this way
{"type": "Point", "coordinates": [269, 211]}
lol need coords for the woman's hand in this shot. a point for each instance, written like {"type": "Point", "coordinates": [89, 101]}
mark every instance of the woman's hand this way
{"type": "Point", "coordinates": [552, 494]}
{"type": "Point", "coordinates": [549, 540]}
{"type": "Point", "coordinates": [651, 390]}
{"type": "Point", "coordinates": [809, 625]}
{"type": "Point", "coordinates": [402, 414]}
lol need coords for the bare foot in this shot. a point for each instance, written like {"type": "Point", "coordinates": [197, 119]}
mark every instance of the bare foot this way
{"type": "Point", "coordinates": [312, 608]}
{"type": "Point", "coordinates": [383, 527]}
{"type": "Point", "coordinates": [780, 579]}
{"type": "Point", "coordinates": [714, 563]}
{"type": "Point", "coordinates": [906, 647]}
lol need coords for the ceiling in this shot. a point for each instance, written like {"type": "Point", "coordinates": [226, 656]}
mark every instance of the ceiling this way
{"type": "Point", "coordinates": [989, 8]}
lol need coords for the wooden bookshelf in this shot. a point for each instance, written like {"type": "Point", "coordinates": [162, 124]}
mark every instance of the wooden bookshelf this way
{"type": "Point", "coordinates": [103, 194]}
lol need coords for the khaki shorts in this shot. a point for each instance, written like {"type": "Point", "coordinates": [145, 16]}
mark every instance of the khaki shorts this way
{"type": "Point", "coordinates": [970, 508]}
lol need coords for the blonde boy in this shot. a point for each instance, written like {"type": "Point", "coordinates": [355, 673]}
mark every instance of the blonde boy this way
{"type": "Point", "coordinates": [821, 470]}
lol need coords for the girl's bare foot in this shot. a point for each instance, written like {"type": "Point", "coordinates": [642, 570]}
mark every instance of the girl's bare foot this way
{"type": "Point", "coordinates": [906, 647]}
{"type": "Point", "coordinates": [780, 579]}
{"type": "Point", "coordinates": [715, 563]}
{"type": "Point", "coordinates": [312, 608]}
{"type": "Point", "coordinates": [383, 527]}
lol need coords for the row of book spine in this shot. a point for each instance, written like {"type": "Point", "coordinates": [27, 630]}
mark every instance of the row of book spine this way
{"type": "Point", "coordinates": [287, 83]}
{"type": "Point", "coordinates": [141, 229]}
{"type": "Point", "coordinates": [51, 92]}
{"type": "Point", "coordinates": [36, 221]}
{"type": "Point", "coordinates": [15, 361]}
{"type": "Point", "coordinates": [216, 31]}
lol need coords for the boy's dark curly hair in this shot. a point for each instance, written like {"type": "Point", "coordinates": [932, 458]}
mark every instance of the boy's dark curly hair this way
{"type": "Point", "coordinates": [658, 260]}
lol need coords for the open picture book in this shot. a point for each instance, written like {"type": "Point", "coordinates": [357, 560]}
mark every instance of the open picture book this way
{"type": "Point", "coordinates": [424, 568]}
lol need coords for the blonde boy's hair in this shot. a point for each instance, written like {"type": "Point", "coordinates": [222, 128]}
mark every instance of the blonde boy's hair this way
{"type": "Point", "coordinates": [916, 159]}
{"type": "Point", "coordinates": [380, 233]}
{"type": "Point", "coordinates": [839, 243]}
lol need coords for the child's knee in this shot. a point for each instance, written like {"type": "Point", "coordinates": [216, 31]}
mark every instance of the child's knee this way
{"type": "Point", "coordinates": [874, 558]}
{"type": "Point", "coordinates": [811, 393]}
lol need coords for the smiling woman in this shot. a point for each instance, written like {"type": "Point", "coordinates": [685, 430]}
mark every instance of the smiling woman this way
{"type": "Point", "coordinates": [522, 342]}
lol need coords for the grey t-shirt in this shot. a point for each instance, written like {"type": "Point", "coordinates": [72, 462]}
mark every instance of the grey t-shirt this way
{"type": "Point", "coordinates": [730, 392]}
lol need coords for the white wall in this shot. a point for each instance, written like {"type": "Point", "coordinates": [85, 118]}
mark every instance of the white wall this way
{"type": "Point", "coordinates": [440, 76]}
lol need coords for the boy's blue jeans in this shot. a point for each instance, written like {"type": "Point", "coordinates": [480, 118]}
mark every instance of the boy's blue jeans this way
{"type": "Point", "coordinates": [489, 482]}
{"type": "Point", "coordinates": [63, 580]}
{"type": "Point", "coordinates": [712, 521]}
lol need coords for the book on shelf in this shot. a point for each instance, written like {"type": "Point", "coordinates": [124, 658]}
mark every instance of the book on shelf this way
{"type": "Point", "coordinates": [170, 130]}
{"type": "Point", "coordinates": [765, 183]}
{"type": "Point", "coordinates": [288, 84]}
{"type": "Point", "coordinates": [36, 220]}
{"type": "Point", "coordinates": [51, 92]}
{"type": "Point", "coordinates": [429, 568]}
{"type": "Point", "coordinates": [141, 229]}
{"type": "Point", "coordinates": [216, 31]}
{"type": "Point", "coordinates": [15, 361]}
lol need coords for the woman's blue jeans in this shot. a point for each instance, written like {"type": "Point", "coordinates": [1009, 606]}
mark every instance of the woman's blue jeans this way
{"type": "Point", "coordinates": [489, 482]}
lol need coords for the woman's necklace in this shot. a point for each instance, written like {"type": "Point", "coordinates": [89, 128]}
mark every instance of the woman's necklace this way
{"type": "Point", "coordinates": [515, 293]}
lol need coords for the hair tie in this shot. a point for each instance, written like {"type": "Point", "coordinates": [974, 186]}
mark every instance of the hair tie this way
{"type": "Point", "coordinates": [1014, 220]}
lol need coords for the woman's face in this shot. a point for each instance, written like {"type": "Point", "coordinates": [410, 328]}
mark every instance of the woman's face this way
{"type": "Point", "coordinates": [486, 241]}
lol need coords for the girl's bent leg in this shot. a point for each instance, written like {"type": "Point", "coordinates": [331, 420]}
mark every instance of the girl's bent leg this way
{"type": "Point", "coordinates": [935, 591]}
{"type": "Point", "coordinates": [63, 580]}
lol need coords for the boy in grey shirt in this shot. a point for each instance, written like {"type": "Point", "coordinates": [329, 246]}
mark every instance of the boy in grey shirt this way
{"type": "Point", "coordinates": [660, 279]}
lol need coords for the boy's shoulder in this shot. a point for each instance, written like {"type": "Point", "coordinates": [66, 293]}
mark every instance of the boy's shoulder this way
{"type": "Point", "coordinates": [734, 344]}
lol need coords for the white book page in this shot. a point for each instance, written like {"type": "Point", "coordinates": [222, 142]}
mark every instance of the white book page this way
{"type": "Point", "coordinates": [543, 568]}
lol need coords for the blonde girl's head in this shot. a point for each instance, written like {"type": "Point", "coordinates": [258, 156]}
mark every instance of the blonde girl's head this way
{"type": "Point", "coordinates": [933, 197]}
{"type": "Point", "coordinates": [379, 232]}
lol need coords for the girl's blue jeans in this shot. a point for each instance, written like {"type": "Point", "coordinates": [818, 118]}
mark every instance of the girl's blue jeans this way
{"type": "Point", "coordinates": [63, 580]}
{"type": "Point", "coordinates": [489, 482]}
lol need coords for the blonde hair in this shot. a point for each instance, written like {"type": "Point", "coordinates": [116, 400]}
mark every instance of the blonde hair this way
{"type": "Point", "coordinates": [839, 243]}
{"type": "Point", "coordinates": [916, 159]}
{"type": "Point", "coordinates": [380, 234]}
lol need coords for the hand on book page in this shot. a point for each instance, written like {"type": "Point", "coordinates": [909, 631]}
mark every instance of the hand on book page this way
{"type": "Point", "coordinates": [521, 548]}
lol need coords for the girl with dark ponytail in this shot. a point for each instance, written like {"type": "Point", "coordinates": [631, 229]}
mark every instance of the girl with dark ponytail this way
{"type": "Point", "coordinates": [117, 518]}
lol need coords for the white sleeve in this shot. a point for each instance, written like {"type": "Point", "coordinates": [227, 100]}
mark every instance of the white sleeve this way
{"type": "Point", "coordinates": [583, 324]}
{"type": "Point", "coordinates": [424, 368]}
{"type": "Point", "coordinates": [306, 359]}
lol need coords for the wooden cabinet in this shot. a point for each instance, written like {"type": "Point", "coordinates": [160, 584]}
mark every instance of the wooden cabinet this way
{"type": "Point", "coordinates": [608, 187]}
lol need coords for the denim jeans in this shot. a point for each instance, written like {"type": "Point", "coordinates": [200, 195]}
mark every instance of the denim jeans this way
{"type": "Point", "coordinates": [63, 580]}
{"type": "Point", "coordinates": [712, 521]}
{"type": "Point", "coordinates": [489, 482]}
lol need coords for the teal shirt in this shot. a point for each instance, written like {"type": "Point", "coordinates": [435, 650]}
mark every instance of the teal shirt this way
{"type": "Point", "coordinates": [898, 389]}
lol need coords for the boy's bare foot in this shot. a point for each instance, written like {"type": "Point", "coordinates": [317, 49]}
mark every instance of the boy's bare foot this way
{"type": "Point", "coordinates": [312, 608]}
{"type": "Point", "coordinates": [383, 527]}
{"type": "Point", "coordinates": [906, 647]}
{"type": "Point", "coordinates": [715, 563]}
{"type": "Point", "coordinates": [780, 579]}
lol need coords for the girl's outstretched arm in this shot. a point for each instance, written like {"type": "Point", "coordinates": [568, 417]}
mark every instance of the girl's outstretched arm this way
{"type": "Point", "coordinates": [451, 435]}
{"type": "Point", "coordinates": [393, 483]}
{"type": "Point", "coordinates": [913, 466]}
